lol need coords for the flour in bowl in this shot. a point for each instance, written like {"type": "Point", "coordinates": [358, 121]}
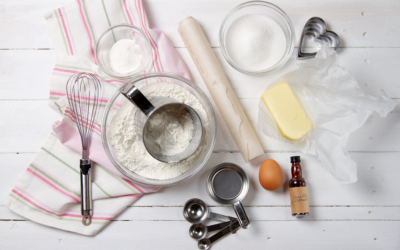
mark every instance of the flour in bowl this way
{"type": "Point", "coordinates": [129, 149]}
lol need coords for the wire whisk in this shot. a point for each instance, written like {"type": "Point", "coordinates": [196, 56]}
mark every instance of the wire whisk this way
{"type": "Point", "coordinates": [83, 92]}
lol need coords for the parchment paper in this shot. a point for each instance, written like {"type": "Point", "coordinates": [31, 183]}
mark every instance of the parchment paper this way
{"type": "Point", "coordinates": [337, 106]}
{"type": "Point", "coordinates": [220, 89]}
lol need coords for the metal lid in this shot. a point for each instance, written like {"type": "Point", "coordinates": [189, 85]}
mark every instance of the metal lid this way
{"type": "Point", "coordinates": [294, 159]}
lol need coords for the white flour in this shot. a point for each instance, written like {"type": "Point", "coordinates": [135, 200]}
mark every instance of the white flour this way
{"type": "Point", "coordinates": [125, 56]}
{"type": "Point", "coordinates": [255, 42]}
{"type": "Point", "coordinates": [170, 128]}
{"type": "Point", "coordinates": [129, 149]}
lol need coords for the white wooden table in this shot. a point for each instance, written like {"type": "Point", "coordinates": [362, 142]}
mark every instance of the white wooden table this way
{"type": "Point", "coordinates": [363, 215]}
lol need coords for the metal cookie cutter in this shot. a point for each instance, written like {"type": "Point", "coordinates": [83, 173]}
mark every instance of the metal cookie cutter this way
{"type": "Point", "coordinates": [316, 28]}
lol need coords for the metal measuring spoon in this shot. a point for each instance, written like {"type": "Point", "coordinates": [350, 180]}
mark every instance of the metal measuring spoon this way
{"type": "Point", "coordinates": [196, 211]}
{"type": "Point", "coordinates": [206, 243]}
{"type": "Point", "coordinates": [199, 231]}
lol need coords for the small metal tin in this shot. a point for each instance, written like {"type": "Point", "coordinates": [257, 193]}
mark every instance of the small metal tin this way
{"type": "Point", "coordinates": [227, 183]}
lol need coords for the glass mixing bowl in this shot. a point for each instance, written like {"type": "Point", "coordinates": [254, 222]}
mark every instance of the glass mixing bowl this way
{"type": "Point", "coordinates": [113, 35]}
{"type": "Point", "coordinates": [264, 8]}
{"type": "Point", "coordinates": [118, 99]}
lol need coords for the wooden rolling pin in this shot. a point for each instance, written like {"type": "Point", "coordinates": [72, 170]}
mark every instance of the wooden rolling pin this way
{"type": "Point", "coordinates": [220, 89]}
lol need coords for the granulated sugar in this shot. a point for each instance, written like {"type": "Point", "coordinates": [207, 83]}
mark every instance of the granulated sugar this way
{"type": "Point", "coordinates": [125, 56]}
{"type": "Point", "coordinates": [129, 149]}
{"type": "Point", "coordinates": [255, 42]}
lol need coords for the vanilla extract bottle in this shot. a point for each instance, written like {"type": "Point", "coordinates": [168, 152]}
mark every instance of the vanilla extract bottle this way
{"type": "Point", "coordinates": [298, 190]}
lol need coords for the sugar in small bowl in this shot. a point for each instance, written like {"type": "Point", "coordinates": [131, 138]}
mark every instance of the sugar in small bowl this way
{"type": "Point", "coordinates": [123, 51]}
{"type": "Point", "coordinates": [257, 37]}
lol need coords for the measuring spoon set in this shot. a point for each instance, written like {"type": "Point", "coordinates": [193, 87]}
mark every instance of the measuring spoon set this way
{"type": "Point", "coordinates": [227, 183]}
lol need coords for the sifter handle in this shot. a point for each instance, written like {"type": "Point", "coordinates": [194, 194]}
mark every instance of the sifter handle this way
{"type": "Point", "coordinates": [138, 99]}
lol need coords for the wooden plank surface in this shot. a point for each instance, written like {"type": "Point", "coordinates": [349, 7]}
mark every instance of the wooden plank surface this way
{"type": "Point", "coordinates": [377, 185]}
{"type": "Point", "coordinates": [259, 213]}
{"type": "Point", "coordinates": [378, 134]}
{"type": "Point", "coordinates": [363, 215]}
{"type": "Point", "coordinates": [174, 235]}
{"type": "Point", "coordinates": [28, 72]}
{"type": "Point", "coordinates": [358, 23]}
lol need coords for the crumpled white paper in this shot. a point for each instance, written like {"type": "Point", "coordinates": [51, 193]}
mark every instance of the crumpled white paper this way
{"type": "Point", "coordinates": [337, 106]}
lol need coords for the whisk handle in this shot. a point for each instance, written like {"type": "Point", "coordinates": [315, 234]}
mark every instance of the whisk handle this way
{"type": "Point", "coordinates": [86, 191]}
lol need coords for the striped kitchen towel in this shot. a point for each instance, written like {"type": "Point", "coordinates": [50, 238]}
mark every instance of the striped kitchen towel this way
{"type": "Point", "coordinates": [48, 192]}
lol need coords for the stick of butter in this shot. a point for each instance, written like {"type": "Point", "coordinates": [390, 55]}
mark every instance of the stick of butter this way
{"type": "Point", "coordinates": [292, 121]}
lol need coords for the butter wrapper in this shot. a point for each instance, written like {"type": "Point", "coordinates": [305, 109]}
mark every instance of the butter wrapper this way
{"type": "Point", "coordinates": [336, 105]}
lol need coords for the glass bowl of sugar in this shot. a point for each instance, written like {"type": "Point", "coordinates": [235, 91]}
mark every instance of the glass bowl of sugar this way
{"type": "Point", "coordinates": [123, 51]}
{"type": "Point", "coordinates": [257, 37]}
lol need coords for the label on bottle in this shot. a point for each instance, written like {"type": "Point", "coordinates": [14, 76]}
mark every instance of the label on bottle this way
{"type": "Point", "coordinates": [299, 200]}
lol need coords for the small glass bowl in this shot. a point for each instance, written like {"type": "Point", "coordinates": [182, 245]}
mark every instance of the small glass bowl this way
{"type": "Point", "coordinates": [118, 100]}
{"type": "Point", "coordinates": [263, 8]}
{"type": "Point", "coordinates": [113, 35]}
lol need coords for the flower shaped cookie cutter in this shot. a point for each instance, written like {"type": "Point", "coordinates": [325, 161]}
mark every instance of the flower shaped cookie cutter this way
{"type": "Point", "coordinates": [316, 28]}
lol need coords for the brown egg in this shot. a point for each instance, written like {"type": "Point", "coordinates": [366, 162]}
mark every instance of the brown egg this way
{"type": "Point", "coordinates": [270, 175]}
